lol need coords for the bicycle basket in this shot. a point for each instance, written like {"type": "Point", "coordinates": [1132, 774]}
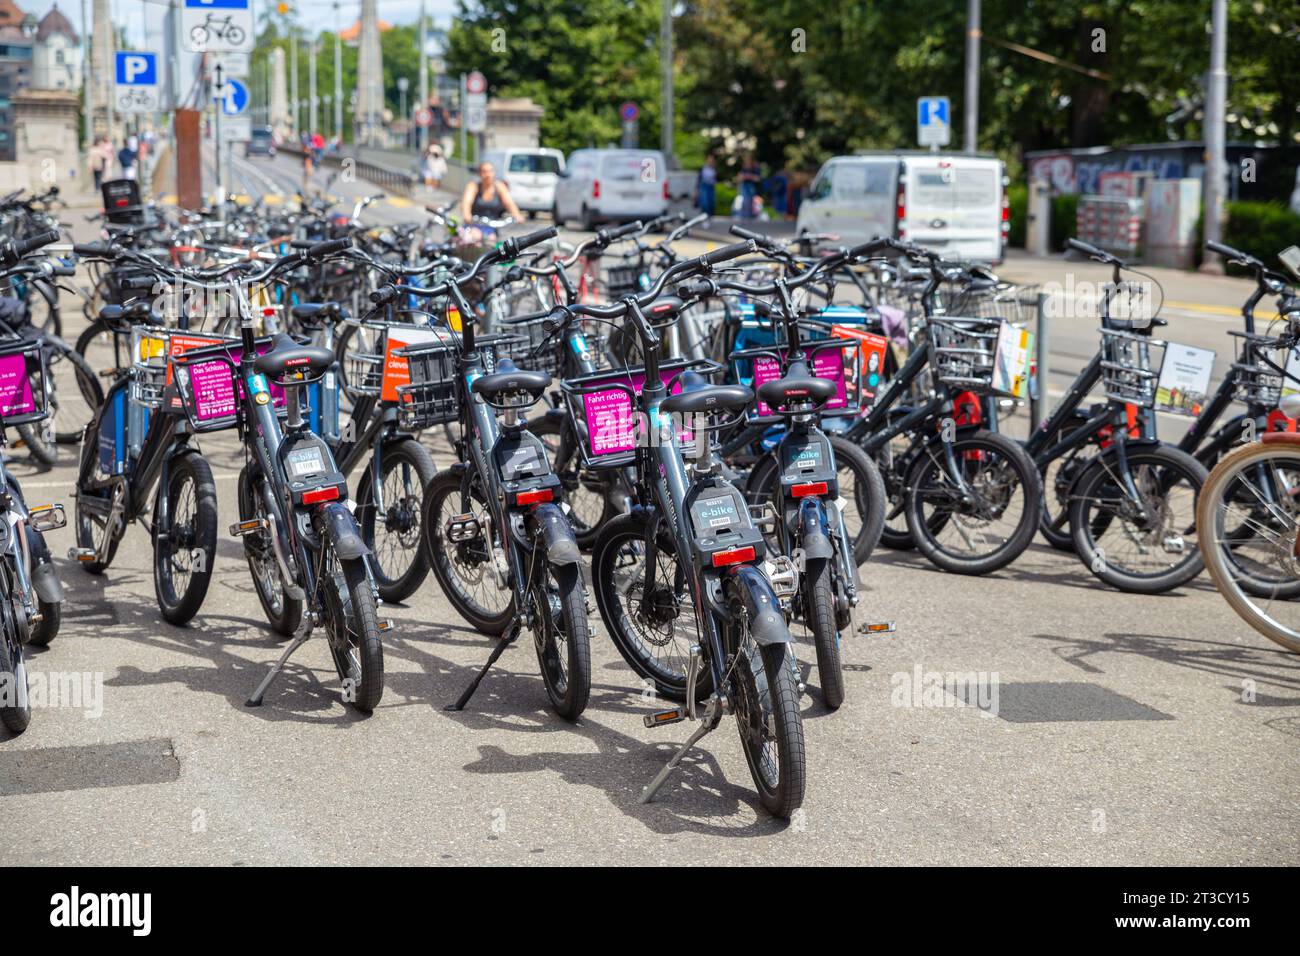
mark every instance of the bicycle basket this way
{"type": "Point", "coordinates": [363, 362]}
{"type": "Point", "coordinates": [622, 280]}
{"type": "Point", "coordinates": [1126, 361]}
{"type": "Point", "coordinates": [836, 359]}
{"type": "Point", "coordinates": [1258, 383]}
{"type": "Point", "coordinates": [601, 409]}
{"type": "Point", "coordinates": [545, 351]}
{"type": "Point", "coordinates": [429, 397]}
{"type": "Point", "coordinates": [24, 384]}
{"type": "Point", "coordinates": [963, 351]}
{"type": "Point", "coordinates": [207, 382]}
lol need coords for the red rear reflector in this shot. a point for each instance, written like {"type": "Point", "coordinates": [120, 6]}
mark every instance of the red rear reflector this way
{"type": "Point", "coordinates": [534, 497]}
{"type": "Point", "coordinates": [811, 488]}
{"type": "Point", "coordinates": [595, 189]}
{"type": "Point", "coordinates": [734, 556]}
{"type": "Point", "coordinates": [666, 194]}
{"type": "Point", "coordinates": [319, 495]}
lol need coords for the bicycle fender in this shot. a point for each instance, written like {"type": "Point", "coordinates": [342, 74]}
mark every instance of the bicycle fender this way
{"type": "Point", "coordinates": [557, 535]}
{"type": "Point", "coordinates": [46, 583]}
{"type": "Point", "coordinates": [341, 528]}
{"type": "Point", "coordinates": [813, 530]}
{"type": "Point", "coordinates": [766, 620]}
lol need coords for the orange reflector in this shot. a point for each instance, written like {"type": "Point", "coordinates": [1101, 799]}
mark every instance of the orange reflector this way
{"type": "Point", "coordinates": [811, 488]}
{"type": "Point", "coordinates": [319, 495]}
{"type": "Point", "coordinates": [534, 497]}
{"type": "Point", "coordinates": [666, 715]}
{"type": "Point", "coordinates": [735, 556]}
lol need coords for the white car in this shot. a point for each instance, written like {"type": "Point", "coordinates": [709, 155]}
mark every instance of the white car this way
{"type": "Point", "coordinates": [953, 204]}
{"type": "Point", "coordinates": [531, 175]}
{"type": "Point", "coordinates": [612, 185]}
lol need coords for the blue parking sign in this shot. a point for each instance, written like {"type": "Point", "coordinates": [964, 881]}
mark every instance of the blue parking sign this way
{"type": "Point", "coordinates": [134, 68]}
{"type": "Point", "coordinates": [216, 4]}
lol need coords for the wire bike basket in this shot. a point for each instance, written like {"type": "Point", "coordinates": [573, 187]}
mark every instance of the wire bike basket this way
{"type": "Point", "coordinates": [1126, 367]}
{"type": "Point", "coordinates": [964, 351]}
{"type": "Point", "coordinates": [1257, 381]}
{"type": "Point", "coordinates": [24, 384]}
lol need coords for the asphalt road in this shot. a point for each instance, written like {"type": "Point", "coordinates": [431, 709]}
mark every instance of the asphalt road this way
{"type": "Point", "coordinates": [1124, 730]}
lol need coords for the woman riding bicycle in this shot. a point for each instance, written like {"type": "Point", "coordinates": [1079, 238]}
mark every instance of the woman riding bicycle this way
{"type": "Point", "coordinates": [488, 198]}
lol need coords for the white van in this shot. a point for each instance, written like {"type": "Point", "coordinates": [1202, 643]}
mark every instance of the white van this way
{"type": "Point", "coordinates": [612, 185]}
{"type": "Point", "coordinates": [531, 175]}
{"type": "Point", "coordinates": [953, 204]}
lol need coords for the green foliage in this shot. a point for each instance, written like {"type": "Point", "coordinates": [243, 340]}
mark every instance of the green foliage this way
{"type": "Point", "coordinates": [1065, 223]}
{"type": "Point", "coordinates": [578, 59]}
{"type": "Point", "coordinates": [1018, 209]}
{"type": "Point", "coordinates": [1262, 229]}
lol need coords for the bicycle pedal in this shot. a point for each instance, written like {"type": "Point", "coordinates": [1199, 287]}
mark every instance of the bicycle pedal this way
{"type": "Point", "coordinates": [877, 627]}
{"type": "Point", "coordinates": [664, 717]}
{"type": "Point", "coordinates": [47, 518]}
{"type": "Point", "coordinates": [464, 527]}
{"type": "Point", "coordinates": [386, 624]}
{"type": "Point", "coordinates": [241, 528]}
{"type": "Point", "coordinates": [1173, 544]}
{"type": "Point", "coordinates": [81, 554]}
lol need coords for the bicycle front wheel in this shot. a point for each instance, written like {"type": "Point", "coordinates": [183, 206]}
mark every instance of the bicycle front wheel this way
{"type": "Point", "coordinates": [975, 510]}
{"type": "Point", "coordinates": [182, 559]}
{"type": "Point", "coordinates": [1137, 532]}
{"type": "Point", "coordinates": [1246, 521]}
{"type": "Point", "coordinates": [472, 569]}
{"type": "Point", "coordinates": [393, 534]}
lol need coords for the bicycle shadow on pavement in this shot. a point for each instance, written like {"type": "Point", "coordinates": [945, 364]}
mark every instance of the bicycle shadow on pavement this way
{"type": "Point", "coordinates": [1274, 668]}
{"type": "Point", "coordinates": [512, 698]}
{"type": "Point", "coordinates": [298, 693]}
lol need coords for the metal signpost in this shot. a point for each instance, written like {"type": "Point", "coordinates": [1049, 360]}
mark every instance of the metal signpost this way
{"type": "Point", "coordinates": [629, 114]}
{"type": "Point", "coordinates": [933, 121]}
{"type": "Point", "coordinates": [135, 76]}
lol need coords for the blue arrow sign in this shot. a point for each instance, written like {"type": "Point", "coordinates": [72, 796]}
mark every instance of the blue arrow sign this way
{"type": "Point", "coordinates": [133, 68]}
{"type": "Point", "coordinates": [216, 4]}
{"type": "Point", "coordinates": [932, 111]}
{"type": "Point", "coordinates": [234, 98]}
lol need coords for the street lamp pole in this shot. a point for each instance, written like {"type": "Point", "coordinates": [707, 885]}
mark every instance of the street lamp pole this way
{"type": "Point", "coordinates": [338, 77]}
{"type": "Point", "coordinates": [971, 114]}
{"type": "Point", "coordinates": [1216, 172]}
{"type": "Point", "coordinates": [424, 76]}
{"type": "Point", "coordinates": [293, 78]}
{"type": "Point", "coordinates": [311, 89]}
{"type": "Point", "coordinates": [666, 65]}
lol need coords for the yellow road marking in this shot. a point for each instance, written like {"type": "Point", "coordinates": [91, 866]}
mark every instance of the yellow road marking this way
{"type": "Point", "coordinates": [401, 202]}
{"type": "Point", "coordinates": [1215, 309]}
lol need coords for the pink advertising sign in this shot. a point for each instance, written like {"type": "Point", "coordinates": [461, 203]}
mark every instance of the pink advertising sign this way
{"type": "Point", "coordinates": [828, 364]}
{"type": "Point", "coordinates": [611, 423]}
{"type": "Point", "coordinates": [16, 396]}
{"type": "Point", "coordinates": [212, 387]}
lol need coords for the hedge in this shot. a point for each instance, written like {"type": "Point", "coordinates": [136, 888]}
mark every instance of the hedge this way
{"type": "Point", "coordinates": [1262, 229]}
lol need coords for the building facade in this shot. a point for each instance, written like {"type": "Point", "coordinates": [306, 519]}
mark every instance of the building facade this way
{"type": "Point", "coordinates": [56, 55]}
{"type": "Point", "coordinates": [17, 35]}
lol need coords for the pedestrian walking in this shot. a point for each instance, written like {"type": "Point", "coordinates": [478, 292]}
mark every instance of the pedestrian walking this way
{"type": "Point", "coordinates": [98, 161]}
{"type": "Point", "coordinates": [435, 166]}
{"type": "Point", "coordinates": [751, 174]}
{"type": "Point", "coordinates": [127, 156]}
{"type": "Point", "coordinates": [706, 186]}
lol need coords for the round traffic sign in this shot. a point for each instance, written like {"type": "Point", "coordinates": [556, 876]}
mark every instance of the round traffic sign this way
{"type": "Point", "coordinates": [423, 117]}
{"type": "Point", "coordinates": [233, 97]}
{"type": "Point", "coordinates": [629, 112]}
{"type": "Point", "coordinates": [476, 82]}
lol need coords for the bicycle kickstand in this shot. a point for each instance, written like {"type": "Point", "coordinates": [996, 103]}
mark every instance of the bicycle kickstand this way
{"type": "Point", "coordinates": [299, 638]}
{"type": "Point", "coordinates": [710, 719]}
{"type": "Point", "coordinates": [508, 638]}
